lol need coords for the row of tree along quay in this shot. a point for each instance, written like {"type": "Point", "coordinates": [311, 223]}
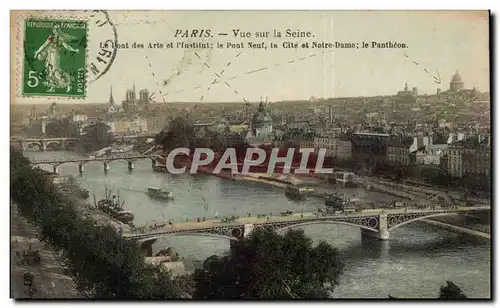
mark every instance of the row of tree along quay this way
{"type": "Point", "coordinates": [264, 265]}
{"type": "Point", "coordinates": [103, 263]}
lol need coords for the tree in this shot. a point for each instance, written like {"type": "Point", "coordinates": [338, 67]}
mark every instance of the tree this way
{"type": "Point", "coordinates": [96, 137]}
{"type": "Point", "coordinates": [266, 265]}
{"type": "Point", "coordinates": [178, 134]}
{"type": "Point", "coordinates": [103, 263]}
{"type": "Point", "coordinates": [451, 291]}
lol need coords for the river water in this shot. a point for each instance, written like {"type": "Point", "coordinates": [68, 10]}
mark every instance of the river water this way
{"type": "Point", "coordinates": [415, 262]}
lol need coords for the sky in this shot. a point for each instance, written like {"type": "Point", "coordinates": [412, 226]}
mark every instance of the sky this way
{"type": "Point", "coordinates": [441, 42]}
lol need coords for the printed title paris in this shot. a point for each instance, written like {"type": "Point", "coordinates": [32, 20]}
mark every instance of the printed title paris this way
{"type": "Point", "coordinates": [204, 33]}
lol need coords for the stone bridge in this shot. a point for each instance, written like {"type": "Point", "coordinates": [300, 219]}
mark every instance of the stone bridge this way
{"type": "Point", "coordinates": [377, 224]}
{"type": "Point", "coordinates": [130, 159]}
{"type": "Point", "coordinates": [42, 143]}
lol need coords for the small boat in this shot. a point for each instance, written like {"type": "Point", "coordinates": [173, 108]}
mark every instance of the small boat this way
{"type": "Point", "coordinates": [160, 194]}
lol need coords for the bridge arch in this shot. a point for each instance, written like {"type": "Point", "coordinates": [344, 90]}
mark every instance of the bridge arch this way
{"type": "Point", "coordinates": [71, 143]}
{"type": "Point", "coordinates": [39, 166]}
{"type": "Point", "coordinates": [42, 164]}
{"type": "Point", "coordinates": [69, 162]}
{"type": "Point", "coordinates": [314, 222]}
{"type": "Point", "coordinates": [117, 159]}
{"type": "Point", "coordinates": [392, 228]}
{"type": "Point", "coordinates": [52, 142]}
{"type": "Point", "coordinates": [28, 143]}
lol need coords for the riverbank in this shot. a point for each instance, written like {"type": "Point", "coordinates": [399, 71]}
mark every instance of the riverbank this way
{"type": "Point", "coordinates": [456, 228]}
{"type": "Point", "coordinates": [67, 188]}
{"type": "Point", "coordinates": [254, 177]}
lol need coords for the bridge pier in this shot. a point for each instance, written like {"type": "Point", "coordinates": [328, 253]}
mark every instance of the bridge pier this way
{"type": "Point", "coordinates": [146, 246]}
{"type": "Point", "coordinates": [233, 243]}
{"type": "Point", "coordinates": [381, 234]}
{"type": "Point", "coordinates": [56, 170]}
{"type": "Point", "coordinates": [130, 165]}
{"type": "Point", "coordinates": [80, 168]}
{"type": "Point", "coordinates": [106, 167]}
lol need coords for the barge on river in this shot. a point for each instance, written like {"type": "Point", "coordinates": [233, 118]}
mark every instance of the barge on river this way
{"type": "Point", "coordinates": [158, 193]}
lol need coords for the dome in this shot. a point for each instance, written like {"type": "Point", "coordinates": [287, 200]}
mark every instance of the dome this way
{"type": "Point", "coordinates": [261, 116]}
{"type": "Point", "coordinates": [456, 78]}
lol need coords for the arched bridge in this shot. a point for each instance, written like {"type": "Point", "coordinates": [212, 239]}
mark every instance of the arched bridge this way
{"type": "Point", "coordinates": [42, 143]}
{"type": "Point", "coordinates": [375, 224]}
{"type": "Point", "coordinates": [130, 159]}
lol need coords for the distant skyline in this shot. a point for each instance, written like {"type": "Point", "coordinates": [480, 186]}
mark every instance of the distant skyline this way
{"type": "Point", "coordinates": [438, 41]}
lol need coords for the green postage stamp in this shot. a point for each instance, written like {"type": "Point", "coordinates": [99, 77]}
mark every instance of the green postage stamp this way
{"type": "Point", "coordinates": [54, 62]}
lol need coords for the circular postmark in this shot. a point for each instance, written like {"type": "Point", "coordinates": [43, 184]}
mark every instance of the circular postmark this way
{"type": "Point", "coordinates": [102, 49]}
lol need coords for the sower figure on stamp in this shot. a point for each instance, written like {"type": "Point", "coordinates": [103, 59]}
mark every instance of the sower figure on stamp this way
{"type": "Point", "coordinates": [49, 52]}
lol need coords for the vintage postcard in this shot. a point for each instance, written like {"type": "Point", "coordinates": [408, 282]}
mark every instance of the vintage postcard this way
{"type": "Point", "coordinates": [250, 155]}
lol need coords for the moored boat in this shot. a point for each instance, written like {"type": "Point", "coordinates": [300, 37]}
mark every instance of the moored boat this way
{"type": "Point", "coordinates": [113, 208]}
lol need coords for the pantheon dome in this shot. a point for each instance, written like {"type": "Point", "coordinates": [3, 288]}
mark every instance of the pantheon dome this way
{"type": "Point", "coordinates": [456, 83]}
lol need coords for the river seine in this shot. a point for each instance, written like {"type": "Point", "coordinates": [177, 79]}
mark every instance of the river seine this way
{"type": "Point", "coordinates": [414, 263]}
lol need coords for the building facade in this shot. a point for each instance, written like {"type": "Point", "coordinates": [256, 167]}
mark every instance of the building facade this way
{"type": "Point", "coordinates": [431, 154]}
{"type": "Point", "coordinates": [471, 156]}
{"type": "Point", "coordinates": [343, 146]}
{"type": "Point", "coordinates": [403, 150]}
{"type": "Point", "coordinates": [125, 125]}
{"type": "Point", "coordinates": [369, 149]}
{"type": "Point", "coordinates": [398, 150]}
{"type": "Point", "coordinates": [326, 142]}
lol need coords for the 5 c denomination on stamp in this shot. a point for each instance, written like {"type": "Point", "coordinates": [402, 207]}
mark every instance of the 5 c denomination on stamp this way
{"type": "Point", "coordinates": [55, 58]}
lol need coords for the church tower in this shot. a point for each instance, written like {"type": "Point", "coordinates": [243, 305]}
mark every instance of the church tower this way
{"type": "Point", "coordinates": [111, 99]}
{"type": "Point", "coordinates": [33, 113]}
